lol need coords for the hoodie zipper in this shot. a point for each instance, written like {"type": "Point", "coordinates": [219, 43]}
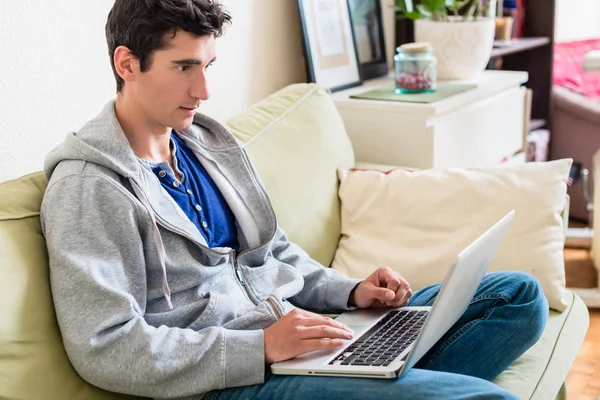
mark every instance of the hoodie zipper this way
{"type": "Point", "coordinates": [236, 267]}
{"type": "Point", "coordinates": [274, 307]}
{"type": "Point", "coordinates": [240, 277]}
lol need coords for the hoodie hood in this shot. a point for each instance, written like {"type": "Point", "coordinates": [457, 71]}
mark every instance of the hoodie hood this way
{"type": "Point", "coordinates": [102, 141]}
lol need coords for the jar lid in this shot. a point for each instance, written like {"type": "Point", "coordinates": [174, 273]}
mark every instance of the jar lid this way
{"type": "Point", "coordinates": [414, 48]}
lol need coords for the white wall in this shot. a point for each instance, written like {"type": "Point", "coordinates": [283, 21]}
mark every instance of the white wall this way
{"type": "Point", "coordinates": [260, 53]}
{"type": "Point", "coordinates": [55, 72]}
{"type": "Point", "coordinates": [577, 19]}
{"type": "Point", "coordinates": [54, 75]}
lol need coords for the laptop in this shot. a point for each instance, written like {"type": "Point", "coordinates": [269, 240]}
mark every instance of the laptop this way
{"type": "Point", "coordinates": [387, 342]}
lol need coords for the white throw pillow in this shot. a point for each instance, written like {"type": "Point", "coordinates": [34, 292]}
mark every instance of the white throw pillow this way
{"type": "Point", "coordinates": [417, 221]}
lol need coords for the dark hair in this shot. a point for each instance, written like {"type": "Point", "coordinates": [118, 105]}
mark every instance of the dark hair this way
{"type": "Point", "coordinates": [143, 26]}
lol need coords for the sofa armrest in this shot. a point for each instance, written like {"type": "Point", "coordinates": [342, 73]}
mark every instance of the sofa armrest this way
{"type": "Point", "coordinates": [575, 104]}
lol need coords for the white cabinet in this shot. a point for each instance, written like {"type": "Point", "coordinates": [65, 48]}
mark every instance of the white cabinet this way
{"type": "Point", "coordinates": [479, 127]}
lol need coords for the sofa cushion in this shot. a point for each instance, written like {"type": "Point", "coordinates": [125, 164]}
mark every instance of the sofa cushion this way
{"type": "Point", "coordinates": [417, 222]}
{"type": "Point", "coordinates": [297, 140]}
{"type": "Point", "coordinates": [31, 348]}
{"type": "Point", "coordinates": [540, 372]}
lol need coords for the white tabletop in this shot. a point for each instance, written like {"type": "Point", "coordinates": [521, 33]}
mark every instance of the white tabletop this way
{"type": "Point", "coordinates": [490, 83]}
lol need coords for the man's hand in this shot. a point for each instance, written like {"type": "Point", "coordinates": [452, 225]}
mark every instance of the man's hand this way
{"type": "Point", "coordinates": [301, 332]}
{"type": "Point", "coordinates": [383, 288]}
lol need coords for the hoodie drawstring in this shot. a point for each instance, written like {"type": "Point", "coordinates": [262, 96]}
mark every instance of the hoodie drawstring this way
{"type": "Point", "coordinates": [157, 239]}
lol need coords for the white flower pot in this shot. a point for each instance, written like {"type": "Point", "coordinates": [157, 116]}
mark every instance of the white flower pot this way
{"type": "Point", "coordinates": [463, 48]}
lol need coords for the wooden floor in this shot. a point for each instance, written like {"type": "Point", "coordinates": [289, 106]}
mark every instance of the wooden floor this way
{"type": "Point", "coordinates": [583, 381]}
{"type": "Point", "coordinates": [579, 269]}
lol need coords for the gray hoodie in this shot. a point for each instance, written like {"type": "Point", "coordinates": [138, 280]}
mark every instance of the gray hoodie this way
{"type": "Point", "coordinates": [144, 306]}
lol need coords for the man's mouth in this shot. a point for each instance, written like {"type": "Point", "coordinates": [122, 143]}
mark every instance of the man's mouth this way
{"type": "Point", "coordinates": [189, 111]}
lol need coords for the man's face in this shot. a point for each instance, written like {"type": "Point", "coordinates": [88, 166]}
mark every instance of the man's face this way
{"type": "Point", "coordinates": [171, 90]}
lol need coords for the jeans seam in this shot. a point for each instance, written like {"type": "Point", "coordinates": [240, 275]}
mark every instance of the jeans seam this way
{"type": "Point", "coordinates": [467, 326]}
{"type": "Point", "coordinates": [491, 296]}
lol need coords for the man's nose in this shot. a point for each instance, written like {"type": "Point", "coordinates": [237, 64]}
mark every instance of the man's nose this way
{"type": "Point", "coordinates": [200, 88]}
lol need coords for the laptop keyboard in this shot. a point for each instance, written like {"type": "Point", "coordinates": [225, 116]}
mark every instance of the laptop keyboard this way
{"type": "Point", "coordinates": [385, 341]}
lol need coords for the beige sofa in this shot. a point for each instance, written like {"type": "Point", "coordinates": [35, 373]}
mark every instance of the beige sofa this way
{"type": "Point", "coordinates": [297, 140]}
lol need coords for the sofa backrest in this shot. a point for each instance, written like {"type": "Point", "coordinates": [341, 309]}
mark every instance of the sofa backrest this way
{"type": "Point", "coordinates": [33, 362]}
{"type": "Point", "coordinates": [296, 140]}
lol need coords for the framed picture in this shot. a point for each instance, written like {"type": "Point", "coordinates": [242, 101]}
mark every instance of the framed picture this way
{"type": "Point", "coordinates": [329, 46]}
{"type": "Point", "coordinates": [367, 24]}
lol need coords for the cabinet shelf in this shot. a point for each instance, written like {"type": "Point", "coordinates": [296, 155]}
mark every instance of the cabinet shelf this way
{"type": "Point", "coordinates": [519, 45]}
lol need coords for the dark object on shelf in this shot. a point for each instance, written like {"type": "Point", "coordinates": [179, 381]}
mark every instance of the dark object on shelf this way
{"type": "Point", "coordinates": [515, 9]}
{"type": "Point", "coordinates": [368, 31]}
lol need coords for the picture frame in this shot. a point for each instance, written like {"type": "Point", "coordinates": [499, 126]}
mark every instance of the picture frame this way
{"type": "Point", "coordinates": [367, 23]}
{"type": "Point", "coordinates": [329, 44]}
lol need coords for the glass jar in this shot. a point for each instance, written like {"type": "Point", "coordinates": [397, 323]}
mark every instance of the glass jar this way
{"type": "Point", "coordinates": [415, 68]}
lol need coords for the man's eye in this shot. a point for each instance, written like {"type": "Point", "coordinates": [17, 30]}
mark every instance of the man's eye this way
{"type": "Point", "coordinates": [209, 65]}
{"type": "Point", "coordinates": [183, 68]}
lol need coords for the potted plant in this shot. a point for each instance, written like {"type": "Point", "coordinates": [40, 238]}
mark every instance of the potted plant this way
{"type": "Point", "coordinates": [461, 33]}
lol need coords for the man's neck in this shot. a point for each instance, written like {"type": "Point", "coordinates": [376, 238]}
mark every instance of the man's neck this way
{"type": "Point", "coordinates": [148, 140]}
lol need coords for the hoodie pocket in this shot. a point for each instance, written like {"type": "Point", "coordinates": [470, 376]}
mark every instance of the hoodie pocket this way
{"type": "Point", "coordinates": [227, 306]}
{"type": "Point", "coordinates": [273, 278]}
{"type": "Point", "coordinates": [206, 311]}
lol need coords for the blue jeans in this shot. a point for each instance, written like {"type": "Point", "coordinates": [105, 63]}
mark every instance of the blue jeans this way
{"type": "Point", "coordinates": [506, 316]}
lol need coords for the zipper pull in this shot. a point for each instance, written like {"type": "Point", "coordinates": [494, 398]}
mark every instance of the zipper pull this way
{"type": "Point", "coordinates": [239, 275]}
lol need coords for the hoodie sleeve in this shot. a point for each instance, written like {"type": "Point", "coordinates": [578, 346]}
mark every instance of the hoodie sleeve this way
{"type": "Point", "coordinates": [98, 280]}
{"type": "Point", "coordinates": [325, 289]}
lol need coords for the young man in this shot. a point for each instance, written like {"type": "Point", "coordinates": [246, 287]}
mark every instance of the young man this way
{"type": "Point", "coordinates": [169, 274]}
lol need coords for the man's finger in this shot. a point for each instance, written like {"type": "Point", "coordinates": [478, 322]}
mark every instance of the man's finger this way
{"type": "Point", "coordinates": [383, 294]}
{"type": "Point", "coordinates": [309, 345]}
{"type": "Point", "coordinates": [400, 294]}
{"type": "Point", "coordinates": [386, 274]}
{"type": "Point", "coordinates": [404, 299]}
{"type": "Point", "coordinates": [394, 285]}
{"type": "Point", "coordinates": [320, 320]}
{"type": "Point", "coordinates": [324, 331]}
{"type": "Point", "coordinates": [400, 300]}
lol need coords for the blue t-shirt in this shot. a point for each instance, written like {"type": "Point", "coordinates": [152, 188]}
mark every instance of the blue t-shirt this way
{"type": "Point", "coordinates": [198, 196]}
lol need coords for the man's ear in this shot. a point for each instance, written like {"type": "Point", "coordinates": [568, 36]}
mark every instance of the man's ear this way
{"type": "Point", "coordinates": [126, 64]}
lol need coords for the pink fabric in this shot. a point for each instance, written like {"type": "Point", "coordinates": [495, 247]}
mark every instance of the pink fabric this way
{"type": "Point", "coordinates": [568, 71]}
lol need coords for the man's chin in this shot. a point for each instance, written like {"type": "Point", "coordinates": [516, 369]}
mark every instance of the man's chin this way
{"type": "Point", "coordinates": [183, 124]}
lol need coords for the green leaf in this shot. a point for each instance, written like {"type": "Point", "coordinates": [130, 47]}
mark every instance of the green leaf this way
{"type": "Point", "coordinates": [424, 11]}
{"type": "Point", "coordinates": [414, 15]}
{"type": "Point", "coordinates": [406, 6]}
{"type": "Point", "coordinates": [471, 10]}
{"type": "Point", "coordinates": [437, 5]}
